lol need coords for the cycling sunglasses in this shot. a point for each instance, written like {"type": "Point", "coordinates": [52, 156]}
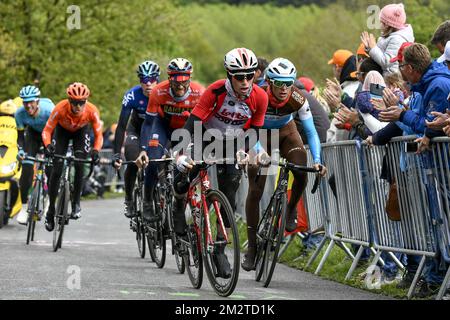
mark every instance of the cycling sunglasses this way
{"type": "Point", "coordinates": [145, 80]}
{"type": "Point", "coordinates": [280, 84]}
{"type": "Point", "coordinates": [77, 102]}
{"type": "Point", "coordinates": [242, 76]}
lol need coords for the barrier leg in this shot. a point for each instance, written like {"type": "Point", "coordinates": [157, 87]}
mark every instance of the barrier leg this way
{"type": "Point", "coordinates": [325, 257]}
{"type": "Point", "coordinates": [416, 277]}
{"type": "Point", "coordinates": [444, 286]}
{"type": "Point", "coordinates": [355, 263]}
{"type": "Point", "coordinates": [346, 250]}
{"type": "Point", "coordinates": [284, 247]}
{"type": "Point", "coordinates": [315, 254]}
{"type": "Point", "coordinates": [245, 244]}
{"type": "Point", "coordinates": [375, 252]}
{"type": "Point", "coordinates": [397, 262]}
{"type": "Point", "coordinates": [377, 258]}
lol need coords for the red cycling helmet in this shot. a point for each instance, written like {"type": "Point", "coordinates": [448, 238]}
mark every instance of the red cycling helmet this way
{"type": "Point", "coordinates": [78, 91]}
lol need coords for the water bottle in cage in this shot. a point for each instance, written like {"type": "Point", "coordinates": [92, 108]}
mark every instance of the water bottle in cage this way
{"type": "Point", "coordinates": [154, 141]}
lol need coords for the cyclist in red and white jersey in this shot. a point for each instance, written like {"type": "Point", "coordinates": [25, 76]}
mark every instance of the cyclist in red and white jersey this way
{"type": "Point", "coordinates": [228, 106]}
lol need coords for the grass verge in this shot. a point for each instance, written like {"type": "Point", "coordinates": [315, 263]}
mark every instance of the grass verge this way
{"type": "Point", "coordinates": [335, 268]}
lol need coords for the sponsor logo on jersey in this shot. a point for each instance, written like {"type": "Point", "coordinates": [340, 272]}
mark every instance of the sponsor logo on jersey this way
{"type": "Point", "coordinates": [172, 109]}
{"type": "Point", "coordinates": [298, 97]}
{"type": "Point", "coordinates": [127, 98]}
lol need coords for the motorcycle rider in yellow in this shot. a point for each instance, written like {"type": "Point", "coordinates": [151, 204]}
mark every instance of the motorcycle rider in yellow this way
{"type": "Point", "coordinates": [10, 169]}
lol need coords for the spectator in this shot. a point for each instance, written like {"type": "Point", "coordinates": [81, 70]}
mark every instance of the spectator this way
{"type": "Point", "coordinates": [413, 119]}
{"type": "Point", "coordinates": [108, 137]}
{"type": "Point", "coordinates": [311, 88]}
{"type": "Point", "coordinates": [320, 116]}
{"type": "Point", "coordinates": [260, 74]}
{"type": "Point", "coordinates": [348, 116]}
{"type": "Point", "coordinates": [363, 98]}
{"type": "Point", "coordinates": [344, 66]}
{"type": "Point", "coordinates": [432, 80]}
{"type": "Point", "coordinates": [307, 83]}
{"type": "Point", "coordinates": [441, 36]}
{"type": "Point", "coordinates": [445, 58]}
{"type": "Point", "coordinates": [395, 83]}
{"type": "Point", "coordinates": [361, 54]}
{"type": "Point", "coordinates": [394, 32]}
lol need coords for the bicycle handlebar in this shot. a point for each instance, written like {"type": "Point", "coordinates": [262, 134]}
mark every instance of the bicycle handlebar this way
{"type": "Point", "coordinates": [295, 167]}
{"type": "Point", "coordinates": [73, 159]}
{"type": "Point", "coordinates": [292, 166]}
{"type": "Point", "coordinates": [34, 159]}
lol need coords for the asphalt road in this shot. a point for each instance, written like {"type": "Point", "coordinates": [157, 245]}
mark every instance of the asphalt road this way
{"type": "Point", "coordinates": [99, 260]}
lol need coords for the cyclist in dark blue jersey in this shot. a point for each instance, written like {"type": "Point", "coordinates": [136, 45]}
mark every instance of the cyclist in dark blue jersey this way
{"type": "Point", "coordinates": [134, 106]}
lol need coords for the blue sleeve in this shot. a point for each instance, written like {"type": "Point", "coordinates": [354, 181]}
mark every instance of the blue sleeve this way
{"type": "Point", "coordinates": [437, 102]}
{"type": "Point", "coordinates": [414, 121]}
{"type": "Point", "coordinates": [313, 138]}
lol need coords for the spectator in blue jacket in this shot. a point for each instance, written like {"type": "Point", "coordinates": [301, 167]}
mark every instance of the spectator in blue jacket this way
{"type": "Point", "coordinates": [429, 78]}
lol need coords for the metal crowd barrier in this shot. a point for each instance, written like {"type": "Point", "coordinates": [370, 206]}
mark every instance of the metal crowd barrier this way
{"type": "Point", "coordinates": [314, 212]}
{"type": "Point", "coordinates": [441, 170]}
{"type": "Point", "coordinates": [345, 213]}
{"type": "Point", "coordinates": [413, 234]}
{"type": "Point", "coordinates": [357, 213]}
{"type": "Point", "coordinates": [111, 173]}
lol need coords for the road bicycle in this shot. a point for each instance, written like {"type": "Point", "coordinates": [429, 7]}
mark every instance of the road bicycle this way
{"type": "Point", "coordinates": [137, 221]}
{"type": "Point", "coordinates": [38, 196]}
{"type": "Point", "coordinates": [163, 229]}
{"type": "Point", "coordinates": [270, 231]}
{"type": "Point", "coordinates": [207, 235]}
{"type": "Point", "coordinates": [65, 193]}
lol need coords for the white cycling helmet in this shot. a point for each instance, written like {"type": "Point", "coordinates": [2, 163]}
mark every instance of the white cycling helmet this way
{"type": "Point", "coordinates": [240, 60]}
{"type": "Point", "coordinates": [281, 69]}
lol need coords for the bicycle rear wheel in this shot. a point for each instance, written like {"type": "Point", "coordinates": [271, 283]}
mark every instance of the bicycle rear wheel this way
{"type": "Point", "coordinates": [62, 205]}
{"type": "Point", "coordinates": [213, 248]}
{"type": "Point", "coordinates": [275, 238]}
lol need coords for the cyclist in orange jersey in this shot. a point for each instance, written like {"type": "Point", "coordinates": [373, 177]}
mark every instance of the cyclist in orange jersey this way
{"type": "Point", "coordinates": [69, 120]}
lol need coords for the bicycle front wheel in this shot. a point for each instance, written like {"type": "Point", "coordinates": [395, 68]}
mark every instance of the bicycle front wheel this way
{"type": "Point", "coordinates": [193, 258]}
{"type": "Point", "coordinates": [62, 206]}
{"type": "Point", "coordinates": [140, 236]}
{"type": "Point", "coordinates": [275, 238]}
{"type": "Point", "coordinates": [220, 253]}
{"type": "Point", "coordinates": [157, 245]}
{"type": "Point", "coordinates": [32, 209]}
{"type": "Point", "coordinates": [157, 241]}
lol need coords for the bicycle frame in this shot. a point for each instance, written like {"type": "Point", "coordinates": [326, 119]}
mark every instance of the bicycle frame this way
{"type": "Point", "coordinates": [203, 180]}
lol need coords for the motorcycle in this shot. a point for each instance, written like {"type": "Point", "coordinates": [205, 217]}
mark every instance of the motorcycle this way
{"type": "Point", "coordinates": [10, 170]}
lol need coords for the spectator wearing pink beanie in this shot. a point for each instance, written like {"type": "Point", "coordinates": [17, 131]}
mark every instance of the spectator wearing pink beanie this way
{"type": "Point", "coordinates": [394, 32]}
